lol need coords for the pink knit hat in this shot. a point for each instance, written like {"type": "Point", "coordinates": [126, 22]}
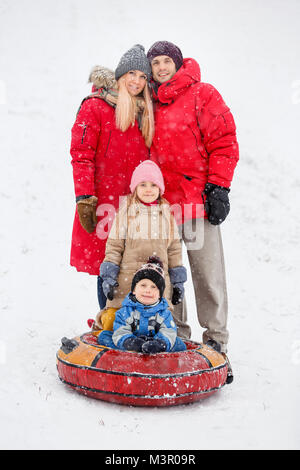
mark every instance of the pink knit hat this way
{"type": "Point", "coordinates": [147, 171]}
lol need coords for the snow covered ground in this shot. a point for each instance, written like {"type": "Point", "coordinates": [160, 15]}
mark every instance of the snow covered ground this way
{"type": "Point", "coordinates": [250, 51]}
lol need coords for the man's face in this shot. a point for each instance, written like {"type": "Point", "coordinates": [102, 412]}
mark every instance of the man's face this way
{"type": "Point", "coordinates": [163, 68]}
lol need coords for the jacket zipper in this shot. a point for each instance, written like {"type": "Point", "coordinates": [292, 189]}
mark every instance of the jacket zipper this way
{"type": "Point", "coordinates": [84, 131]}
{"type": "Point", "coordinates": [194, 137]}
{"type": "Point", "coordinates": [107, 143]}
{"type": "Point", "coordinates": [197, 145]}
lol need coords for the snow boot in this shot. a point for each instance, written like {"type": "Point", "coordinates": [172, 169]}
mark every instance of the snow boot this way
{"type": "Point", "coordinates": [229, 379]}
{"type": "Point", "coordinates": [214, 344]}
{"type": "Point", "coordinates": [217, 347]}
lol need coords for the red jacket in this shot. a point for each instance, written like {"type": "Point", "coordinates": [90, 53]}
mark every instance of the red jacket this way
{"type": "Point", "coordinates": [195, 138]}
{"type": "Point", "coordinates": [103, 160]}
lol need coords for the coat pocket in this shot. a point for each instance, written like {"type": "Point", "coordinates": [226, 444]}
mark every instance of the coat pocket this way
{"type": "Point", "coordinates": [192, 187]}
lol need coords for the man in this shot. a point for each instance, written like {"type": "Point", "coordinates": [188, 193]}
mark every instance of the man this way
{"type": "Point", "coordinates": [196, 148]}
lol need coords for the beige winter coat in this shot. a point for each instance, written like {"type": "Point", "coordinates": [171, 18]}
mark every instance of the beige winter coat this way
{"type": "Point", "coordinates": [140, 231]}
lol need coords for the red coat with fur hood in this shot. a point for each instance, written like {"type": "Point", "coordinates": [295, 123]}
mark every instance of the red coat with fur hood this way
{"type": "Point", "coordinates": [103, 160]}
{"type": "Point", "coordinates": [195, 138]}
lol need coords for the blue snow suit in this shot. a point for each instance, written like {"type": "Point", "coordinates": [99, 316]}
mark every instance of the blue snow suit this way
{"type": "Point", "coordinates": [134, 318]}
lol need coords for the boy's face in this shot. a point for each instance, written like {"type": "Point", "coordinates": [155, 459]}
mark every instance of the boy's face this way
{"type": "Point", "coordinates": [146, 292]}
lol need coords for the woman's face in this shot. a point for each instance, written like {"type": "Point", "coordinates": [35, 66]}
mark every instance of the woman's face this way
{"type": "Point", "coordinates": [147, 191]}
{"type": "Point", "coordinates": [135, 82]}
{"type": "Point", "coordinates": [146, 292]}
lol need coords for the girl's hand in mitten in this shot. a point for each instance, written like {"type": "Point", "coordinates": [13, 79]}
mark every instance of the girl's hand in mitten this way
{"type": "Point", "coordinates": [178, 276]}
{"type": "Point", "coordinates": [109, 273]}
{"type": "Point", "coordinates": [178, 293]}
{"type": "Point", "coordinates": [108, 287]}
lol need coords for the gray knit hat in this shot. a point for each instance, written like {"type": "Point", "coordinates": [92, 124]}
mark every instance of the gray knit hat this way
{"type": "Point", "coordinates": [134, 59]}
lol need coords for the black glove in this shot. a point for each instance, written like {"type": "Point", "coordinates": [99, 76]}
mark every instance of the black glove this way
{"type": "Point", "coordinates": [217, 204]}
{"type": "Point", "coordinates": [177, 295]}
{"type": "Point", "coordinates": [134, 343]}
{"type": "Point", "coordinates": [154, 346]}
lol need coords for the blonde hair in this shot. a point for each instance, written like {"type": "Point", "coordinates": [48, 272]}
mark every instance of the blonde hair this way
{"type": "Point", "coordinates": [127, 108]}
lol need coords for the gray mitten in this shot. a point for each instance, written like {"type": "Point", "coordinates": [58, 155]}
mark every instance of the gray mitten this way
{"type": "Point", "coordinates": [109, 273]}
{"type": "Point", "coordinates": [178, 277]}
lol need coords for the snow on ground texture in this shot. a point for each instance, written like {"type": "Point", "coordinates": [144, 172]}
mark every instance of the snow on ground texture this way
{"type": "Point", "coordinates": [250, 52]}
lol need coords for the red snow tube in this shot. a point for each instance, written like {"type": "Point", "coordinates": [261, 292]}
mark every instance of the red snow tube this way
{"type": "Point", "coordinates": [138, 379]}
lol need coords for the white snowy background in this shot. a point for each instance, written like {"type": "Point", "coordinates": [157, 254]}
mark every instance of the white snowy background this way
{"type": "Point", "coordinates": [250, 52]}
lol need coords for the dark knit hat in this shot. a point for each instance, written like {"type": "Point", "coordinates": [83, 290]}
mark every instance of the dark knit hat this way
{"type": "Point", "coordinates": [152, 270]}
{"type": "Point", "coordinates": [166, 48]}
{"type": "Point", "coordinates": [134, 59]}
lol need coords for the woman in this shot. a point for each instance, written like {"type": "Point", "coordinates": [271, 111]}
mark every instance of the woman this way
{"type": "Point", "coordinates": [112, 134]}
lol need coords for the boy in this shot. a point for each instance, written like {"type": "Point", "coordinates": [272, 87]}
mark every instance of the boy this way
{"type": "Point", "coordinates": [144, 323]}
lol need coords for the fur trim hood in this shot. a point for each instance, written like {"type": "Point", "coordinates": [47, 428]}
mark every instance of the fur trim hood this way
{"type": "Point", "coordinates": [102, 77]}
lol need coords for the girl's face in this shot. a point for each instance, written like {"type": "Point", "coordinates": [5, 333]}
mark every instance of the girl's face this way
{"type": "Point", "coordinates": [135, 82]}
{"type": "Point", "coordinates": [146, 292]}
{"type": "Point", "coordinates": [147, 192]}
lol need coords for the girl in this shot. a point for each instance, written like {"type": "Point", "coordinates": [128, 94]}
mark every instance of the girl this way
{"type": "Point", "coordinates": [143, 227]}
{"type": "Point", "coordinates": [112, 134]}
